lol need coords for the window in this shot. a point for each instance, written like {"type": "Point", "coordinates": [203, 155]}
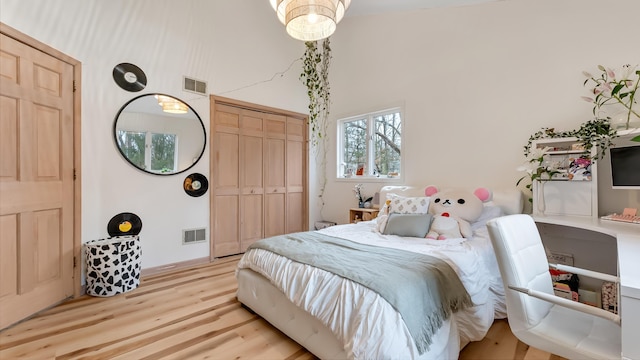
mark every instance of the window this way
{"type": "Point", "coordinates": [370, 145]}
{"type": "Point", "coordinates": [162, 156]}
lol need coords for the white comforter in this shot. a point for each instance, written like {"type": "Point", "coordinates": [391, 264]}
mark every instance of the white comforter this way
{"type": "Point", "coordinates": [366, 324]}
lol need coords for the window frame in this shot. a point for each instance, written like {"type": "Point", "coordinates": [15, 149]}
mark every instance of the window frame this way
{"type": "Point", "coordinates": [370, 120]}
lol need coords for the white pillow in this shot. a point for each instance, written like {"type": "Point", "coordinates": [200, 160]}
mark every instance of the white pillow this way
{"type": "Point", "coordinates": [409, 205]}
{"type": "Point", "coordinates": [488, 212]}
{"type": "Point", "coordinates": [384, 208]}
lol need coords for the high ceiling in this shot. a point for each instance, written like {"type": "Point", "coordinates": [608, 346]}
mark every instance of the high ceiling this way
{"type": "Point", "coordinates": [368, 7]}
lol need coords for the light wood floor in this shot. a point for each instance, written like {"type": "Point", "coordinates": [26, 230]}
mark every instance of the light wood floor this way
{"type": "Point", "coordinates": [185, 314]}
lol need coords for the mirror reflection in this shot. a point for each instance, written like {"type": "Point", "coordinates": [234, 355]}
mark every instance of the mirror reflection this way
{"type": "Point", "coordinates": [159, 134]}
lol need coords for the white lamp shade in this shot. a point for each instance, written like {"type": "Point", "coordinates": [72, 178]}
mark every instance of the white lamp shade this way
{"type": "Point", "coordinates": [310, 20]}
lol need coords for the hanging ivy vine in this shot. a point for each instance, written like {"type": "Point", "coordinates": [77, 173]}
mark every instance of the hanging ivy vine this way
{"type": "Point", "coordinates": [315, 76]}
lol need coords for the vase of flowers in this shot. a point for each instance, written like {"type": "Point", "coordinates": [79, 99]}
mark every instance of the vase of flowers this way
{"type": "Point", "coordinates": [357, 190]}
{"type": "Point", "coordinates": [538, 165]}
{"type": "Point", "coordinates": [615, 90]}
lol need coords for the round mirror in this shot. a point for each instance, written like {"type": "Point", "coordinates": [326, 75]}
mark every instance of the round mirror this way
{"type": "Point", "coordinates": [159, 134]}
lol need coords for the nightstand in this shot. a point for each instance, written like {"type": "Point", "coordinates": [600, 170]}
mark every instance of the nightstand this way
{"type": "Point", "coordinates": [360, 214]}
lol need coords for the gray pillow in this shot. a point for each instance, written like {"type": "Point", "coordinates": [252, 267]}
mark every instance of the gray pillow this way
{"type": "Point", "coordinates": [413, 225]}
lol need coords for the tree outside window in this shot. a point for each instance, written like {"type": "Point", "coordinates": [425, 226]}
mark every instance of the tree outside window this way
{"type": "Point", "coordinates": [163, 152]}
{"type": "Point", "coordinates": [371, 145]}
{"type": "Point", "coordinates": [162, 155]}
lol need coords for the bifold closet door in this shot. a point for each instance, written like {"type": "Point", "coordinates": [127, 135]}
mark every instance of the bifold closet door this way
{"type": "Point", "coordinates": [275, 175]}
{"type": "Point", "coordinates": [296, 176]}
{"type": "Point", "coordinates": [258, 172]}
{"type": "Point", "coordinates": [225, 199]}
{"type": "Point", "coordinates": [251, 177]}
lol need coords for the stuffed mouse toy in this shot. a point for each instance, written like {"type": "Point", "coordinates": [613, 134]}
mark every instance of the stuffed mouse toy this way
{"type": "Point", "coordinates": [453, 211]}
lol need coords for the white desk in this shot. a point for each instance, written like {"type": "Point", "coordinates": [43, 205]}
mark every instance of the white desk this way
{"type": "Point", "coordinates": [628, 242]}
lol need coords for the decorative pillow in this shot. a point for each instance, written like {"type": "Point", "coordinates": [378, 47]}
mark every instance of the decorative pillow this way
{"type": "Point", "coordinates": [488, 212]}
{"type": "Point", "coordinates": [413, 225]}
{"type": "Point", "coordinates": [409, 205]}
{"type": "Point", "coordinates": [384, 206]}
{"type": "Point", "coordinates": [381, 223]}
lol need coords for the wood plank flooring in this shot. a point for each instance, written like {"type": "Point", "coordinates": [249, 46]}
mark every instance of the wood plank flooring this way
{"type": "Point", "coordinates": [184, 314]}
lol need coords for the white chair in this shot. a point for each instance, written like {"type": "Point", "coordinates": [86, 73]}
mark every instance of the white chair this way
{"type": "Point", "coordinates": [536, 316]}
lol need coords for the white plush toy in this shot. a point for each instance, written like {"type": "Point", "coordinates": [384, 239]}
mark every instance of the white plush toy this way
{"type": "Point", "coordinates": [453, 211]}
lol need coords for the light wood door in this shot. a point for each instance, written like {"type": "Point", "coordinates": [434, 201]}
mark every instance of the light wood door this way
{"type": "Point", "coordinates": [255, 192]}
{"type": "Point", "coordinates": [225, 189]}
{"type": "Point", "coordinates": [251, 174]}
{"type": "Point", "coordinates": [275, 175]}
{"type": "Point", "coordinates": [36, 180]}
{"type": "Point", "coordinates": [296, 175]}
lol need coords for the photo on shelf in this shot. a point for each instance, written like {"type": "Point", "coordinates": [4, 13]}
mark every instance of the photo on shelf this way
{"type": "Point", "coordinates": [580, 170]}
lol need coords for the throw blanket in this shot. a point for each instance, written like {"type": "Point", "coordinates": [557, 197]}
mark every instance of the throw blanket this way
{"type": "Point", "coordinates": [423, 289]}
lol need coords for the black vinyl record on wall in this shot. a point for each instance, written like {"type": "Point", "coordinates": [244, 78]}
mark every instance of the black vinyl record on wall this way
{"type": "Point", "coordinates": [124, 224]}
{"type": "Point", "coordinates": [195, 185]}
{"type": "Point", "coordinates": [129, 77]}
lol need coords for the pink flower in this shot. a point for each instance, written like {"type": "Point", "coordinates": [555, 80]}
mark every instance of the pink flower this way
{"type": "Point", "coordinates": [587, 99]}
{"type": "Point", "coordinates": [611, 73]}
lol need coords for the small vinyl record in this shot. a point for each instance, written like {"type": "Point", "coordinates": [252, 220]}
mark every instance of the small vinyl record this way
{"type": "Point", "coordinates": [129, 77]}
{"type": "Point", "coordinates": [195, 185]}
{"type": "Point", "coordinates": [124, 224]}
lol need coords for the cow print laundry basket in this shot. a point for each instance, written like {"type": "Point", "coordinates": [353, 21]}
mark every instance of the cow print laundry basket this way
{"type": "Point", "coordinates": [113, 265]}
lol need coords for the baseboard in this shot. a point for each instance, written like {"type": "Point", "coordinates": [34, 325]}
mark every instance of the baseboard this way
{"type": "Point", "coordinates": [174, 266]}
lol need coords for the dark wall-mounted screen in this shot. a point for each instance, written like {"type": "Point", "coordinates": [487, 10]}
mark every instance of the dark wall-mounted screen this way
{"type": "Point", "coordinates": [625, 167]}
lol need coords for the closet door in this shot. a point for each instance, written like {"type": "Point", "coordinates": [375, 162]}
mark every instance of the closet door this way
{"type": "Point", "coordinates": [252, 188]}
{"type": "Point", "coordinates": [258, 174]}
{"type": "Point", "coordinates": [225, 192]}
{"type": "Point", "coordinates": [296, 214]}
{"type": "Point", "coordinates": [275, 175]}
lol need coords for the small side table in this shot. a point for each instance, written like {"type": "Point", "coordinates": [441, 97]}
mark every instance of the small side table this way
{"type": "Point", "coordinates": [362, 214]}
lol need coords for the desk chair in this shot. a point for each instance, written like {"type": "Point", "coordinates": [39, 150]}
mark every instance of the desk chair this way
{"type": "Point", "coordinates": [536, 316]}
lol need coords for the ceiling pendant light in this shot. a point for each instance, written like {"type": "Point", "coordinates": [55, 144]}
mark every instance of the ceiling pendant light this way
{"type": "Point", "coordinates": [171, 105]}
{"type": "Point", "coordinates": [310, 20]}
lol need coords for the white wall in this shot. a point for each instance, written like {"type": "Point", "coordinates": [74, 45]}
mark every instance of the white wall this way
{"type": "Point", "coordinates": [475, 81]}
{"type": "Point", "coordinates": [229, 44]}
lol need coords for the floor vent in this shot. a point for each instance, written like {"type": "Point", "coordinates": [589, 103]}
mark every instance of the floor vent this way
{"type": "Point", "coordinates": [193, 236]}
{"type": "Point", "coordinates": [196, 86]}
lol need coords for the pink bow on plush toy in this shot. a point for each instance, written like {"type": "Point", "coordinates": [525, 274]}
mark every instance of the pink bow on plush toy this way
{"type": "Point", "coordinates": [454, 210]}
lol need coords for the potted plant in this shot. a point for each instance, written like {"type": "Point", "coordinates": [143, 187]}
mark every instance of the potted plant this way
{"type": "Point", "coordinates": [597, 132]}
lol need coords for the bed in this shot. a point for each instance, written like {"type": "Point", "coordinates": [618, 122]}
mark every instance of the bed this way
{"type": "Point", "coordinates": [337, 318]}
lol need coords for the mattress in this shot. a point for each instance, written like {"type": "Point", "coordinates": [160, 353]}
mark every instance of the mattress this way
{"type": "Point", "coordinates": [334, 317]}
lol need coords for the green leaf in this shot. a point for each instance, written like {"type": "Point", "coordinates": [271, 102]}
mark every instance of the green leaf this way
{"type": "Point", "coordinates": [616, 89]}
{"type": "Point", "coordinates": [637, 138]}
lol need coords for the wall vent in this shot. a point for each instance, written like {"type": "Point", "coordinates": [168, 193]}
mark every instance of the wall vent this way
{"type": "Point", "coordinates": [192, 236]}
{"type": "Point", "coordinates": [193, 85]}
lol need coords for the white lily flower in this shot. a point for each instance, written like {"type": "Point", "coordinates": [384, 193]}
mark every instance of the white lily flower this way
{"type": "Point", "coordinates": [528, 167]}
{"type": "Point", "coordinates": [628, 71]}
{"type": "Point", "coordinates": [539, 152]}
